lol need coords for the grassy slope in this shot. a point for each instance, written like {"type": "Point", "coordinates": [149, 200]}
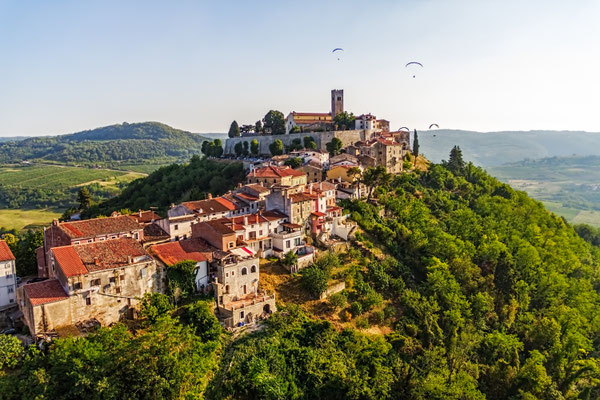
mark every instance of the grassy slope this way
{"type": "Point", "coordinates": [20, 219]}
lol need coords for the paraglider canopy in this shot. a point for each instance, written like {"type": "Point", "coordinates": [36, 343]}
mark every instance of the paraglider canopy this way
{"type": "Point", "coordinates": [337, 49]}
{"type": "Point", "coordinates": [404, 129]}
{"type": "Point", "coordinates": [432, 125]}
{"type": "Point", "coordinates": [414, 63]}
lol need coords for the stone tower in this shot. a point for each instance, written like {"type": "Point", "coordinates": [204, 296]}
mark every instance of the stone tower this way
{"type": "Point", "coordinates": [337, 102]}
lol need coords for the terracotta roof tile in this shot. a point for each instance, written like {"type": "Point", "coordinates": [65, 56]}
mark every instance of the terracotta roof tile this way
{"type": "Point", "coordinates": [5, 253]}
{"type": "Point", "coordinates": [173, 252]}
{"type": "Point", "coordinates": [209, 206]}
{"type": "Point", "coordinates": [83, 258]}
{"type": "Point", "coordinates": [44, 292]}
{"type": "Point", "coordinates": [99, 226]}
{"type": "Point", "coordinates": [144, 216]}
{"type": "Point", "coordinates": [271, 171]}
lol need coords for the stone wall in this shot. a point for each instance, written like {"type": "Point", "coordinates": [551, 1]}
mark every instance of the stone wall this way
{"type": "Point", "coordinates": [335, 288]}
{"type": "Point", "coordinates": [321, 139]}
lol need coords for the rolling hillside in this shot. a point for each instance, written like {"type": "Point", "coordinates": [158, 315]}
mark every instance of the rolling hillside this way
{"type": "Point", "coordinates": [497, 148]}
{"type": "Point", "coordinates": [122, 146]}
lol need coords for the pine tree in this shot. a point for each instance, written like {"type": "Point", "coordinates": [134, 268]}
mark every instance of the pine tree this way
{"type": "Point", "coordinates": [84, 197]}
{"type": "Point", "coordinates": [456, 163]}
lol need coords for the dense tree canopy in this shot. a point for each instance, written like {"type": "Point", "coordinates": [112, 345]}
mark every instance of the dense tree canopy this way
{"type": "Point", "coordinates": [274, 123]}
{"type": "Point", "coordinates": [174, 184]}
{"type": "Point", "coordinates": [234, 129]}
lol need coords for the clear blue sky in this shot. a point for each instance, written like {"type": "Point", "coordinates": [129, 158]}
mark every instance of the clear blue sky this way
{"type": "Point", "coordinates": [67, 66]}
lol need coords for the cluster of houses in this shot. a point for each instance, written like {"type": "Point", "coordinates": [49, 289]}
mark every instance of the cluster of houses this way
{"type": "Point", "coordinates": [96, 271]}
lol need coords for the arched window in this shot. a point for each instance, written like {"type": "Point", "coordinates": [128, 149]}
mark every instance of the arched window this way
{"type": "Point", "coordinates": [244, 271]}
{"type": "Point", "coordinates": [253, 269]}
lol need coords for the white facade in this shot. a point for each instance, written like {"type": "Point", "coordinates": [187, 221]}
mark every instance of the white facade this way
{"type": "Point", "coordinates": [202, 278]}
{"type": "Point", "coordinates": [365, 121]}
{"type": "Point", "coordinates": [8, 283]}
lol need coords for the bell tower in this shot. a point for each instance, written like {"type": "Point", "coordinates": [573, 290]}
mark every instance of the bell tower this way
{"type": "Point", "coordinates": [337, 102]}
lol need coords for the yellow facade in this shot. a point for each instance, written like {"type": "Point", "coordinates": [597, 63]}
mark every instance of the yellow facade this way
{"type": "Point", "coordinates": [339, 172]}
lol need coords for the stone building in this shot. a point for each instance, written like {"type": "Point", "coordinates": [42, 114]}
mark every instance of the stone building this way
{"type": "Point", "coordinates": [100, 281]}
{"type": "Point", "coordinates": [86, 231]}
{"type": "Point", "coordinates": [8, 276]}
{"type": "Point", "coordinates": [271, 175]}
{"type": "Point", "coordinates": [187, 250]}
{"type": "Point", "coordinates": [239, 300]}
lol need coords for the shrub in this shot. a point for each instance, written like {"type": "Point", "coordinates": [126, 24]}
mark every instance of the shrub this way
{"type": "Point", "coordinates": [314, 280]}
{"type": "Point", "coordinates": [201, 318]}
{"type": "Point", "coordinates": [362, 323]}
{"type": "Point", "coordinates": [372, 299]}
{"type": "Point", "coordinates": [154, 305]}
{"type": "Point", "coordinates": [378, 317]}
{"type": "Point", "coordinates": [356, 308]}
{"type": "Point", "coordinates": [338, 300]}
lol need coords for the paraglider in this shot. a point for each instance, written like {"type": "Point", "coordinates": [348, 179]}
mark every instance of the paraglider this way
{"type": "Point", "coordinates": [337, 49]}
{"type": "Point", "coordinates": [436, 125]}
{"type": "Point", "coordinates": [404, 129]}
{"type": "Point", "coordinates": [414, 63]}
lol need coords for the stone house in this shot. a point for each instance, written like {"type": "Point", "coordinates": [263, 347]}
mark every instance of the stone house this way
{"type": "Point", "coordinates": [308, 121]}
{"type": "Point", "coordinates": [271, 175]}
{"type": "Point", "coordinates": [187, 250]}
{"type": "Point", "coordinates": [101, 281]}
{"type": "Point", "coordinates": [296, 206]}
{"type": "Point", "coordinates": [313, 171]}
{"type": "Point", "coordinates": [86, 231]}
{"type": "Point", "coordinates": [8, 277]}
{"type": "Point", "coordinates": [239, 300]}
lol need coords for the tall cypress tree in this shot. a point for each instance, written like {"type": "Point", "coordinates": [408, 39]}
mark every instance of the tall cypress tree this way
{"type": "Point", "coordinates": [416, 144]}
{"type": "Point", "coordinates": [234, 129]}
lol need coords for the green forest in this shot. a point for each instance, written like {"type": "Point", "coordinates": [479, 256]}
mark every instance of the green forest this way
{"type": "Point", "coordinates": [478, 292]}
{"type": "Point", "coordinates": [121, 145]}
{"type": "Point", "coordinates": [173, 184]}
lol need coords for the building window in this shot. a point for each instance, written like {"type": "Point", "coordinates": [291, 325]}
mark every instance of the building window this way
{"type": "Point", "coordinates": [11, 289]}
{"type": "Point", "coordinates": [287, 244]}
{"type": "Point", "coordinates": [88, 301]}
{"type": "Point", "coordinates": [253, 269]}
{"type": "Point", "coordinates": [111, 279]}
{"type": "Point", "coordinates": [118, 290]}
{"type": "Point", "coordinates": [232, 273]}
{"type": "Point", "coordinates": [244, 271]}
{"type": "Point", "coordinates": [176, 227]}
{"type": "Point", "coordinates": [9, 276]}
{"type": "Point", "coordinates": [231, 245]}
{"type": "Point", "coordinates": [241, 315]}
{"type": "Point", "coordinates": [77, 286]}
{"type": "Point", "coordinates": [122, 278]}
{"type": "Point", "coordinates": [95, 282]}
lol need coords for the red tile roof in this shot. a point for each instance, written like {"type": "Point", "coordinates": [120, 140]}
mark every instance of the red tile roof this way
{"type": "Point", "coordinates": [144, 216]}
{"type": "Point", "coordinates": [209, 206]}
{"type": "Point", "coordinates": [257, 188]}
{"type": "Point", "coordinates": [307, 114]}
{"type": "Point", "coordinates": [99, 226]}
{"type": "Point", "coordinates": [173, 252]}
{"type": "Point", "coordinates": [44, 292]}
{"type": "Point", "coordinates": [388, 142]}
{"type": "Point", "coordinates": [5, 253]}
{"type": "Point", "coordinates": [273, 215]}
{"type": "Point", "coordinates": [81, 259]}
{"type": "Point", "coordinates": [298, 197]}
{"type": "Point", "coordinates": [271, 171]}
{"type": "Point", "coordinates": [68, 261]}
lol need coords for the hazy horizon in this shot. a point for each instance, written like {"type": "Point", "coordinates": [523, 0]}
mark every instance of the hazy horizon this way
{"type": "Point", "coordinates": [488, 66]}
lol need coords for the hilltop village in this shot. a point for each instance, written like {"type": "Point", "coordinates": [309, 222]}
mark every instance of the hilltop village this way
{"type": "Point", "coordinates": [96, 271]}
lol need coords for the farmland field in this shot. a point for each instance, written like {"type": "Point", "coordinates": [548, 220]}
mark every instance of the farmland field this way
{"type": "Point", "coordinates": [41, 186]}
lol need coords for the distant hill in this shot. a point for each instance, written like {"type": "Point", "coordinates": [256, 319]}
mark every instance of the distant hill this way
{"type": "Point", "coordinates": [497, 148]}
{"type": "Point", "coordinates": [12, 138]}
{"type": "Point", "coordinates": [113, 146]}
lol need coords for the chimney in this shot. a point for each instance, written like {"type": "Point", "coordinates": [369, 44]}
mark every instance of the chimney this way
{"type": "Point", "coordinates": [172, 205]}
{"type": "Point", "coordinates": [245, 220]}
{"type": "Point", "coordinates": [55, 222]}
{"type": "Point", "coordinates": [140, 211]}
{"type": "Point", "coordinates": [129, 260]}
{"type": "Point", "coordinates": [96, 261]}
{"type": "Point", "coordinates": [114, 214]}
{"type": "Point", "coordinates": [210, 196]}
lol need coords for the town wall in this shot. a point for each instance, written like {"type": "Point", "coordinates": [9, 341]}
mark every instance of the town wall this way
{"type": "Point", "coordinates": [320, 138]}
{"type": "Point", "coordinates": [335, 288]}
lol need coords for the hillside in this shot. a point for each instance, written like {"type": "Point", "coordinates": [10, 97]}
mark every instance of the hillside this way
{"type": "Point", "coordinates": [481, 294]}
{"type": "Point", "coordinates": [458, 287]}
{"type": "Point", "coordinates": [175, 183]}
{"type": "Point", "coordinates": [118, 146]}
{"type": "Point", "coordinates": [497, 148]}
{"type": "Point", "coordinates": [569, 186]}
